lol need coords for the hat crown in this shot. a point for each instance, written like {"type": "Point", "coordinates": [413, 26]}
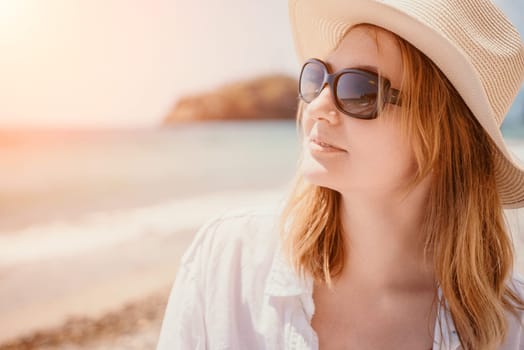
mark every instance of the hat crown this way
{"type": "Point", "coordinates": [484, 36]}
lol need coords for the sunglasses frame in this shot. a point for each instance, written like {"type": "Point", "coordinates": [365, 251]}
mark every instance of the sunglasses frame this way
{"type": "Point", "coordinates": [390, 94]}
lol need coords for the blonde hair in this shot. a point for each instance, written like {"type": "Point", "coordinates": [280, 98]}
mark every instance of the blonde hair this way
{"type": "Point", "coordinates": [463, 225]}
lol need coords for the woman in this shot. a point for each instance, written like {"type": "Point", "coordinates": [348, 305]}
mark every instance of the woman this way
{"type": "Point", "coordinates": [393, 236]}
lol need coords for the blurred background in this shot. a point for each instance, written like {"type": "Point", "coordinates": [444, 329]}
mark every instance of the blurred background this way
{"type": "Point", "coordinates": [124, 125]}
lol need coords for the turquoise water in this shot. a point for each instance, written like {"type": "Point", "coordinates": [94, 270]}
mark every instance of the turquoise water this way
{"type": "Point", "coordinates": [513, 131]}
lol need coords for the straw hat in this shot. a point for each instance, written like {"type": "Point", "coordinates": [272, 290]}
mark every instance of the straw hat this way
{"type": "Point", "coordinates": [471, 41]}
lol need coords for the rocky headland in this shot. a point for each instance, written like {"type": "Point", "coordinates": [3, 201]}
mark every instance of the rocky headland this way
{"type": "Point", "coordinates": [267, 97]}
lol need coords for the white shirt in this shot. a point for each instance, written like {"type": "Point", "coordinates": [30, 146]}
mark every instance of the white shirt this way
{"type": "Point", "coordinates": [234, 290]}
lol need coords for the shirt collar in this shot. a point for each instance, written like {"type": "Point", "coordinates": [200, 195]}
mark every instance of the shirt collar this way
{"type": "Point", "coordinates": [282, 279]}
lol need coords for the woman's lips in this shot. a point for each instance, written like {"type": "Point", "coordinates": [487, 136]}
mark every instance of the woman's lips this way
{"type": "Point", "coordinates": [322, 146]}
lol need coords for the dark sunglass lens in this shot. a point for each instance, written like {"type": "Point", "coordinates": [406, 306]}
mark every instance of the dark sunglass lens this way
{"type": "Point", "coordinates": [311, 79]}
{"type": "Point", "coordinates": [357, 93]}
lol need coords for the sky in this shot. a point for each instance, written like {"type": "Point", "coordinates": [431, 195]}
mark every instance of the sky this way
{"type": "Point", "coordinates": [124, 63]}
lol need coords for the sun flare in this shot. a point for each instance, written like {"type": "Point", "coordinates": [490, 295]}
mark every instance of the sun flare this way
{"type": "Point", "coordinates": [10, 11]}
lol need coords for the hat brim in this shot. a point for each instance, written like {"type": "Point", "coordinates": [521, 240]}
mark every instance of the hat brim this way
{"type": "Point", "coordinates": [318, 26]}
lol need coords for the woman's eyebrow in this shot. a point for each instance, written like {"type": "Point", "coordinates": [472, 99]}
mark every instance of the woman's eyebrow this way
{"type": "Point", "coordinates": [371, 69]}
{"type": "Point", "coordinates": [368, 68]}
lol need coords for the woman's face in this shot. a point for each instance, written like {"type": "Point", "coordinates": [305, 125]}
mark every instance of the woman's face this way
{"type": "Point", "coordinates": [375, 158]}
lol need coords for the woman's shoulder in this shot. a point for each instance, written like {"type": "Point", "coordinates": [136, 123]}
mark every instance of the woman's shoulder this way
{"type": "Point", "coordinates": [238, 233]}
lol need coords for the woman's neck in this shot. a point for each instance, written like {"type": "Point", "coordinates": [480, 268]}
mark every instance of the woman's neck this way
{"type": "Point", "coordinates": [385, 243]}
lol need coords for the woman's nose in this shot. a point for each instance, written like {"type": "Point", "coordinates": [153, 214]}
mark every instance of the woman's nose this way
{"type": "Point", "coordinates": [323, 107]}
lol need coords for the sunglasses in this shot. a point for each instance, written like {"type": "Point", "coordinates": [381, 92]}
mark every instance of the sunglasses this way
{"type": "Point", "coordinates": [357, 93]}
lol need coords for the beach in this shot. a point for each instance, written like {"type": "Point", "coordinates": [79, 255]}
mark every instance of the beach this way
{"type": "Point", "coordinates": [89, 253]}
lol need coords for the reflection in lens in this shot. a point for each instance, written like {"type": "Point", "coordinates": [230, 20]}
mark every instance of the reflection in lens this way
{"type": "Point", "coordinates": [311, 81]}
{"type": "Point", "coordinates": [357, 94]}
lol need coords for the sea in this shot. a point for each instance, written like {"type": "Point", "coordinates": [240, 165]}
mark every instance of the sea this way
{"type": "Point", "coordinates": [50, 175]}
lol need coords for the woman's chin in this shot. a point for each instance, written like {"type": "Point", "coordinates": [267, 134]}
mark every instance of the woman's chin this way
{"type": "Point", "coordinates": [319, 177]}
